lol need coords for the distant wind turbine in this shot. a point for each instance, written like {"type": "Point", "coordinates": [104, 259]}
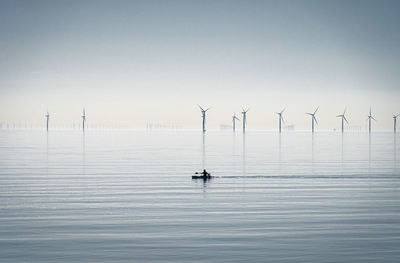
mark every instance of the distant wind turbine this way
{"type": "Point", "coordinates": [83, 119]}
{"type": "Point", "coordinates": [395, 122]}
{"type": "Point", "coordinates": [369, 120]}
{"type": "Point", "coordinates": [281, 119]}
{"type": "Point", "coordinates": [47, 120]}
{"type": "Point", "coordinates": [234, 118]}
{"type": "Point", "coordinates": [244, 119]}
{"type": "Point", "coordinates": [203, 115]}
{"type": "Point", "coordinates": [343, 118]}
{"type": "Point", "coordinates": [313, 118]}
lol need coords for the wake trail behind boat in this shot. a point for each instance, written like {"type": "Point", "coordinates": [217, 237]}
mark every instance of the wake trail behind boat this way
{"type": "Point", "coordinates": [307, 176]}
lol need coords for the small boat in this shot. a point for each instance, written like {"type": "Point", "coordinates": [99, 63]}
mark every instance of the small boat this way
{"type": "Point", "coordinates": [203, 177]}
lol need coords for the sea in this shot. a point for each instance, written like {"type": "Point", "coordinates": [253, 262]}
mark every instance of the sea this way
{"type": "Point", "coordinates": [128, 196]}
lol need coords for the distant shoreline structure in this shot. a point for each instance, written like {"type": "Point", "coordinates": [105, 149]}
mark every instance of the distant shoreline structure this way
{"type": "Point", "coordinates": [166, 127]}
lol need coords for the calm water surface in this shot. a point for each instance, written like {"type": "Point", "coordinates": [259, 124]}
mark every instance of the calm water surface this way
{"type": "Point", "coordinates": [128, 196]}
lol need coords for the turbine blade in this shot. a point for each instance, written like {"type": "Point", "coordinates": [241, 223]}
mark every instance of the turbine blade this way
{"type": "Point", "coordinates": [283, 110]}
{"type": "Point", "coordinates": [373, 118]}
{"type": "Point", "coordinates": [200, 107]}
{"type": "Point", "coordinates": [345, 119]}
{"type": "Point", "coordinates": [309, 113]}
{"type": "Point", "coordinates": [282, 119]}
{"type": "Point", "coordinates": [315, 119]}
{"type": "Point", "coordinates": [316, 110]}
{"type": "Point", "coordinates": [344, 110]}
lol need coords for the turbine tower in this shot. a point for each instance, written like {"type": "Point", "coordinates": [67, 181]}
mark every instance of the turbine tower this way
{"type": "Point", "coordinates": [203, 115]}
{"type": "Point", "coordinates": [343, 119]}
{"type": "Point", "coordinates": [281, 119]}
{"type": "Point", "coordinates": [47, 121]}
{"type": "Point", "coordinates": [234, 118]}
{"type": "Point", "coordinates": [83, 120]}
{"type": "Point", "coordinates": [395, 122]}
{"type": "Point", "coordinates": [244, 119]}
{"type": "Point", "coordinates": [369, 120]}
{"type": "Point", "coordinates": [313, 118]}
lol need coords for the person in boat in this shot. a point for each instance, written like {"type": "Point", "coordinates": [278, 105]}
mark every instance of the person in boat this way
{"type": "Point", "coordinates": [205, 173]}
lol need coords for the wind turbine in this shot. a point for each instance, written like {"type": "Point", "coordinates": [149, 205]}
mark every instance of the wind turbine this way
{"type": "Point", "coordinates": [47, 121]}
{"type": "Point", "coordinates": [234, 118]}
{"type": "Point", "coordinates": [343, 118]}
{"type": "Point", "coordinates": [369, 120]}
{"type": "Point", "coordinates": [395, 122]}
{"type": "Point", "coordinates": [203, 115]}
{"type": "Point", "coordinates": [281, 119]}
{"type": "Point", "coordinates": [313, 118]}
{"type": "Point", "coordinates": [244, 119]}
{"type": "Point", "coordinates": [83, 119]}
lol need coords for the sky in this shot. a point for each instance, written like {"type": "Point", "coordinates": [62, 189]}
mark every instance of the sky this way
{"type": "Point", "coordinates": [136, 62]}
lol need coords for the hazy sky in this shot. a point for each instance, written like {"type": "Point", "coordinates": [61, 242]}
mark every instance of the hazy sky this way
{"type": "Point", "coordinates": [134, 62]}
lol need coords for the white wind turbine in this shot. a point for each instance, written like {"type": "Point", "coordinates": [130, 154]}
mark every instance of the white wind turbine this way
{"type": "Point", "coordinates": [83, 119]}
{"type": "Point", "coordinates": [395, 122]}
{"type": "Point", "coordinates": [369, 120]}
{"type": "Point", "coordinates": [203, 115]}
{"type": "Point", "coordinates": [47, 120]}
{"type": "Point", "coordinates": [343, 118]}
{"type": "Point", "coordinates": [281, 119]}
{"type": "Point", "coordinates": [244, 119]}
{"type": "Point", "coordinates": [234, 119]}
{"type": "Point", "coordinates": [313, 118]}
